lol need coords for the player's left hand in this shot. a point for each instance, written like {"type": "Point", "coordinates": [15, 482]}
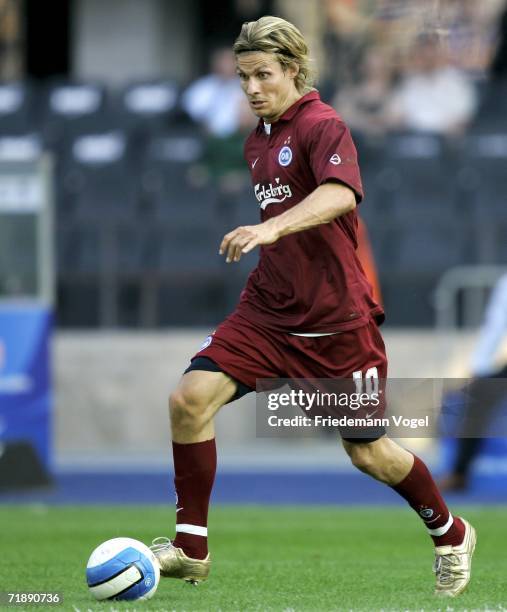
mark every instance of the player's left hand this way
{"type": "Point", "coordinates": [245, 238]}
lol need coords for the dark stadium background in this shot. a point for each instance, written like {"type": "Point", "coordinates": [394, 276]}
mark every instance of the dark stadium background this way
{"type": "Point", "coordinates": [432, 203]}
{"type": "Point", "coordinates": [142, 195]}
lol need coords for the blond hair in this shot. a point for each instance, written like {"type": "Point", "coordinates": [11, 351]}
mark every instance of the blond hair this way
{"type": "Point", "coordinates": [282, 39]}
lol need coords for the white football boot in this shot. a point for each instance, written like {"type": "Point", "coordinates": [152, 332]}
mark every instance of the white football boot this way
{"type": "Point", "coordinates": [453, 564]}
{"type": "Point", "coordinates": [174, 563]}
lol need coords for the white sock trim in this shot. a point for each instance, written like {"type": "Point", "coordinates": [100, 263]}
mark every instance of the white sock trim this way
{"type": "Point", "coordinates": [440, 531]}
{"type": "Point", "coordinates": [193, 529]}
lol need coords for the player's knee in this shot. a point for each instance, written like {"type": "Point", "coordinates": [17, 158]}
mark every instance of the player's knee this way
{"type": "Point", "coordinates": [362, 457]}
{"type": "Point", "coordinates": [186, 409]}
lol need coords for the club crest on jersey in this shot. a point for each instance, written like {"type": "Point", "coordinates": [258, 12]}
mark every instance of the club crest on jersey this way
{"type": "Point", "coordinates": [285, 156]}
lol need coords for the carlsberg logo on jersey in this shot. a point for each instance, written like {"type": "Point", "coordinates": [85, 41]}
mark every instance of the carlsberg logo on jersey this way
{"type": "Point", "coordinates": [272, 193]}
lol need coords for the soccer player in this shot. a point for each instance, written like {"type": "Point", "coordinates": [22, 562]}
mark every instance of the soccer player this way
{"type": "Point", "coordinates": [306, 311]}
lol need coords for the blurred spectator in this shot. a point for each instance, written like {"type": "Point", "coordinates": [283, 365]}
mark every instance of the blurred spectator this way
{"type": "Point", "coordinates": [11, 35]}
{"type": "Point", "coordinates": [398, 22]}
{"type": "Point", "coordinates": [346, 38]}
{"type": "Point", "coordinates": [491, 115]}
{"type": "Point", "coordinates": [486, 391]}
{"type": "Point", "coordinates": [364, 105]}
{"type": "Point", "coordinates": [214, 100]}
{"type": "Point", "coordinates": [469, 28]}
{"type": "Point", "coordinates": [433, 96]}
{"type": "Point", "coordinates": [224, 155]}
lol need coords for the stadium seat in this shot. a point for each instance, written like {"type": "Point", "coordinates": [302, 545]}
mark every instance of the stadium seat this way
{"type": "Point", "coordinates": [174, 182]}
{"type": "Point", "coordinates": [376, 188]}
{"type": "Point", "coordinates": [96, 177]}
{"type": "Point", "coordinates": [167, 272]}
{"type": "Point", "coordinates": [244, 210]}
{"type": "Point", "coordinates": [135, 257]}
{"type": "Point", "coordinates": [74, 108]}
{"type": "Point", "coordinates": [491, 113]}
{"type": "Point", "coordinates": [484, 160]}
{"type": "Point", "coordinates": [482, 180]}
{"type": "Point", "coordinates": [417, 174]}
{"type": "Point", "coordinates": [180, 302]}
{"type": "Point", "coordinates": [192, 274]}
{"type": "Point", "coordinates": [422, 242]}
{"type": "Point", "coordinates": [187, 247]}
{"type": "Point", "coordinates": [18, 105]}
{"type": "Point", "coordinates": [80, 249]}
{"type": "Point", "coordinates": [147, 107]}
{"type": "Point", "coordinates": [25, 147]}
{"type": "Point", "coordinates": [136, 247]}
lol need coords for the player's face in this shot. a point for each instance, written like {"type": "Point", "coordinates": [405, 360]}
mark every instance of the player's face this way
{"type": "Point", "coordinates": [269, 88]}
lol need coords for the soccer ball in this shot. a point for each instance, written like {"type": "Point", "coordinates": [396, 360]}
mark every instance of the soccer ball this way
{"type": "Point", "coordinates": [122, 568]}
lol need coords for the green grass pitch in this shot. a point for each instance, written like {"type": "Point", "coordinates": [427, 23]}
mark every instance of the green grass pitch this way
{"type": "Point", "coordinates": [264, 558]}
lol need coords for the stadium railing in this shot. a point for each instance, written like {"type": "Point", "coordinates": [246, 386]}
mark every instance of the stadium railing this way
{"type": "Point", "coordinates": [462, 293]}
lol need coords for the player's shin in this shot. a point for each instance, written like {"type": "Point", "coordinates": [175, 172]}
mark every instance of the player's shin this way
{"type": "Point", "coordinates": [421, 492]}
{"type": "Point", "coordinates": [194, 474]}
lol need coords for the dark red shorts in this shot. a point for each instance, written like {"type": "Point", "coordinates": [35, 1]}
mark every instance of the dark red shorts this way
{"type": "Point", "coordinates": [247, 352]}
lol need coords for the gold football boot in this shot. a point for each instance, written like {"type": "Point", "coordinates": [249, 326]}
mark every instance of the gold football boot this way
{"type": "Point", "coordinates": [453, 565]}
{"type": "Point", "coordinates": [174, 563]}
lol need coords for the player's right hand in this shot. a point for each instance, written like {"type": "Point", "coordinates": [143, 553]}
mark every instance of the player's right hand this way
{"type": "Point", "coordinates": [245, 238]}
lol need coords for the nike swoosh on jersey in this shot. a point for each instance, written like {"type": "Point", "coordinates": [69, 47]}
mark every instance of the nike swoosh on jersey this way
{"type": "Point", "coordinates": [254, 162]}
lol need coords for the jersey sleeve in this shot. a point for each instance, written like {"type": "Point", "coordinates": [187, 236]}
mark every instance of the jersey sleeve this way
{"type": "Point", "coordinates": [333, 155]}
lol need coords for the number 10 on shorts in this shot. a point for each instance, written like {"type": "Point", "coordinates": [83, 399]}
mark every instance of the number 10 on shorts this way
{"type": "Point", "coordinates": [368, 384]}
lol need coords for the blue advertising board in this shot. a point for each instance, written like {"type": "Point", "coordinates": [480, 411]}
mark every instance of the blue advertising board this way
{"type": "Point", "coordinates": [25, 380]}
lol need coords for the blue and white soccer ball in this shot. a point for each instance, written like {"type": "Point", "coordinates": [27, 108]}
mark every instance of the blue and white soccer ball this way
{"type": "Point", "coordinates": [122, 568]}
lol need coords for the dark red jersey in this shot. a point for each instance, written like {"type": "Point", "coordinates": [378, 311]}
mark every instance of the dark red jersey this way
{"type": "Point", "coordinates": [310, 281]}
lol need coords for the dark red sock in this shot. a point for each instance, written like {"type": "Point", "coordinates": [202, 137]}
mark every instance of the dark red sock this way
{"type": "Point", "coordinates": [195, 466]}
{"type": "Point", "coordinates": [421, 492]}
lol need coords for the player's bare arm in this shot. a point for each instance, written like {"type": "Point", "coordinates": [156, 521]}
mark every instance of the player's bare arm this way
{"type": "Point", "coordinates": [324, 204]}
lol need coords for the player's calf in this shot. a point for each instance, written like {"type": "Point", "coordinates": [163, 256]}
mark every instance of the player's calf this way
{"type": "Point", "coordinates": [382, 459]}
